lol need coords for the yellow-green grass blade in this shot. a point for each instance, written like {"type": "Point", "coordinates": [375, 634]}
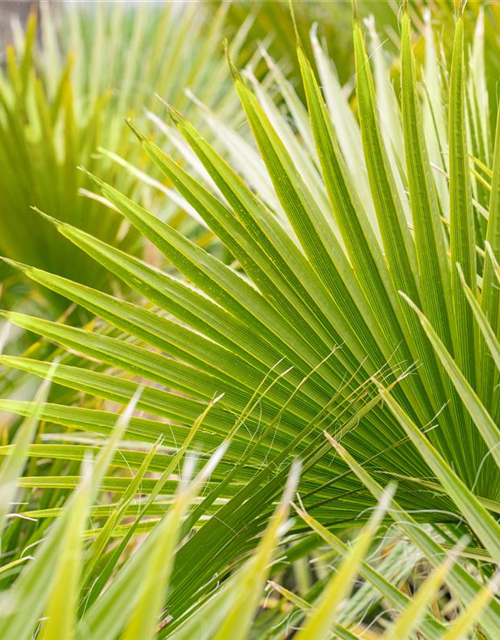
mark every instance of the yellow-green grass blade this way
{"type": "Point", "coordinates": [61, 611]}
{"type": "Point", "coordinates": [431, 253]}
{"type": "Point", "coordinates": [99, 544]}
{"type": "Point", "coordinates": [96, 421]}
{"type": "Point", "coordinates": [410, 617]}
{"type": "Point", "coordinates": [143, 621]}
{"type": "Point", "coordinates": [141, 431]}
{"type": "Point", "coordinates": [156, 510]}
{"type": "Point", "coordinates": [15, 563]}
{"type": "Point", "coordinates": [388, 108]}
{"type": "Point", "coordinates": [463, 584]}
{"type": "Point", "coordinates": [464, 624]}
{"type": "Point", "coordinates": [252, 579]}
{"type": "Point", "coordinates": [28, 597]}
{"type": "Point", "coordinates": [346, 126]}
{"type": "Point", "coordinates": [12, 467]}
{"type": "Point", "coordinates": [295, 104]}
{"type": "Point", "coordinates": [106, 616]}
{"type": "Point", "coordinates": [154, 401]}
{"type": "Point", "coordinates": [229, 611]}
{"type": "Point", "coordinates": [129, 455]}
{"type": "Point", "coordinates": [109, 483]}
{"type": "Point", "coordinates": [303, 156]}
{"type": "Point", "coordinates": [429, 625]}
{"type": "Point", "coordinates": [159, 486]}
{"type": "Point", "coordinates": [305, 606]}
{"type": "Point", "coordinates": [480, 520]}
{"type": "Point", "coordinates": [319, 622]}
{"type": "Point", "coordinates": [363, 249]}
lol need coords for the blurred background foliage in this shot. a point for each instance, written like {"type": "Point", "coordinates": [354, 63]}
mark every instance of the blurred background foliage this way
{"type": "Point", "coordinates": [67, 84]}
{"type": "Point", "coordinates": [335, 31]}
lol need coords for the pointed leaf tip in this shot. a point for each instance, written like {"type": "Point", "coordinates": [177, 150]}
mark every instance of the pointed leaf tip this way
{"type": "Point", "coordinates": [175, 115]}
{"type": "Point", "coordinates": [53, 221]}
{"type": "Point", "coordinates": [298, 510]}
{"type": "Point", "coordinates": [91, 176]}
{"type": "Point", "coordinates": [411, 303]}
{"type": "Point", "coordinates": [355, 11]}
{"type": "Point", "coordinates": [406, 23]}
{"type": "Point", "coordinates": [15, 264]}
{"type": "Point", "coordinates": [294, 21]}
{"type": "Point", "coordinates": [139, 136]}
{"type": "Point", "coordinates": [336, 445]}
{"type": "Point", "coordinates": [234, 71]}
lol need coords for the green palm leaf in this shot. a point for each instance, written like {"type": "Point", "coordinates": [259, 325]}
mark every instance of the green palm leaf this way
{"type": "Point", "coordinates": [303, 329]}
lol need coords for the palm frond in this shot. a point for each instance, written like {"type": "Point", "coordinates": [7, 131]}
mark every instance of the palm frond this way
{"type": "Point", "coordinates": [355, 305]}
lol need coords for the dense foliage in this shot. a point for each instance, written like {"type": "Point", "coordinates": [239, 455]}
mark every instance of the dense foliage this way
{"type": "Point", "coordinates": [339, 356]}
